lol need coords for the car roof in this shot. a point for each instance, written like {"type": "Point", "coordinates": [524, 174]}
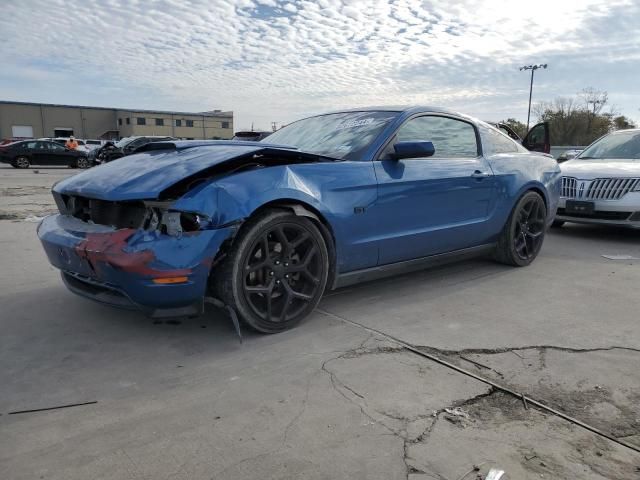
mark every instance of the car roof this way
{"type": "Point", "coordinates": [44, 140]}
{"type": "Point", "coordinates": [398, 108]}
{"type": "Point", "coordinates": [149, 136]}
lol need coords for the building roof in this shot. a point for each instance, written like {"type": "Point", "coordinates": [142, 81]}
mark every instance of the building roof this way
{"type": "Point", "coordinates": [211, 113]}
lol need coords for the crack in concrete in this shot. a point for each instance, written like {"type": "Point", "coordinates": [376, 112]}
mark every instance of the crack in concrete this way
{"type": "Point", "coordinates": [361, 351]}
{"type": "Point", "coordinates": [433, 354]}
{"type": "Point", "coordinates": [339, 386]}
{"type": "Point", "coordinates": [412, 465]}
{"type": "Point", "coordinates": [492, 351]}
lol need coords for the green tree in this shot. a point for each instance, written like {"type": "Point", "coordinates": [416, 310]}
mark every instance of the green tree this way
{"type": "Point", "coordinates": [622, 123]}
{"type": "Point", "coordinates": [579, 120]}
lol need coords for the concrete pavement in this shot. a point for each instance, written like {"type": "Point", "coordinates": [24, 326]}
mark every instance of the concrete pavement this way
{"type": "Point", "coordinates": [327, 400]}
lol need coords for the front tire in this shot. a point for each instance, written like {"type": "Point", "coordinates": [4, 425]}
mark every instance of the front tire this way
{"type": "Point", "coordinates": [523, 234]}
{"type": "Point", "coordinates": [276, 271]}
{"type": "Point", "coordinates": [22, 162]}
{"type": "Point", "coordinates": [557, 223]}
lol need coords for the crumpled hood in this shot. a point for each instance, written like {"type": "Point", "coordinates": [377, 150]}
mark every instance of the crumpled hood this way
{"type": "Point", "coordinates": [590, 169]}
{"type": "Point", "coordinates": [145, 175]}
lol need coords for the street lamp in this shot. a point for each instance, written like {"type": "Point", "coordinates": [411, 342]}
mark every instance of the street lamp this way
{"type": "Point", "coordinates": [533, 68]}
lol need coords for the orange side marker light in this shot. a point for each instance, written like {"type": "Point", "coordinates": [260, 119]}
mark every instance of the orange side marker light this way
{"type": "Point", "coordinates": [170, 280]}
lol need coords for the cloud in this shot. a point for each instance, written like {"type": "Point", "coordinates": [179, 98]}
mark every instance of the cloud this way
{"type": "Point", "coordinates": [273, 60]}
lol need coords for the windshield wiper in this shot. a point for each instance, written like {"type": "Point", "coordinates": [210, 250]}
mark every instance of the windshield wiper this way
{"type": "Point", "coordinates": [587, 158]}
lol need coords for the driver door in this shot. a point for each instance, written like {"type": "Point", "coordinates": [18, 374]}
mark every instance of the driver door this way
{"type": "Point", "coordinates": [436, 204]}
{"type": "Point", "coordinates": [538, 139]}
{"type": "Point", "coordinates": [133, 146]}
{"type": "Point", "coordinates": [58, 155]}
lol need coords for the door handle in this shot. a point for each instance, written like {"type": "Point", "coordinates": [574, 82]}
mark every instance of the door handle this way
{"type": "Point", "coordinates": [480, 175]}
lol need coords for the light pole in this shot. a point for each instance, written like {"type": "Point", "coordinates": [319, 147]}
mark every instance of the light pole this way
{"type": "Point", "coordinates": [533, 68]}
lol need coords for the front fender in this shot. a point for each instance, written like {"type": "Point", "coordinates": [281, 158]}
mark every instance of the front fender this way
{"type": "Point", "coordinates": [236, 197]}
{"type": "Point", "coordinates": [340, 192]}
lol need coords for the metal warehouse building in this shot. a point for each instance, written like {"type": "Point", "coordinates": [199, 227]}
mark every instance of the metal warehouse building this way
{"type": "Point", "coordinates": [34, 120]}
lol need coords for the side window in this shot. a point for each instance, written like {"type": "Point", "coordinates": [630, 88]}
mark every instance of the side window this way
{"type": "Point", "coordinates": [136, 143]}
{"type": "Point", "coordinates": [494, 142]}
{"type": "Point", "coordinates": [55, 147]}
{"type": "Point", "coordinates": [33, 145]}
{"type": "Point", "coordinates": [451, 138]}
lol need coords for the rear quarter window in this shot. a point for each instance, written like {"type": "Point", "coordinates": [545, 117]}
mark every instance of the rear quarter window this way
{"type": "Point", "coordinates": [495, 142]}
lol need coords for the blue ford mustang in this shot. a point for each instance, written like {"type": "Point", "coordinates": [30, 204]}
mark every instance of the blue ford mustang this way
{"type": "Point", "coordinates": [327, 201]}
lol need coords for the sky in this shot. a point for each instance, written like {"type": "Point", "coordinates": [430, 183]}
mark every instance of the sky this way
{"type": "Point", "coordinates": [279, 60]}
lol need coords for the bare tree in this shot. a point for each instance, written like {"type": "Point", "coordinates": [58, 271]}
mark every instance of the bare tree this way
{"type": "Point", "coordinates": [578, 120]}
{"type": "Point", "coordinates": [595, 101]}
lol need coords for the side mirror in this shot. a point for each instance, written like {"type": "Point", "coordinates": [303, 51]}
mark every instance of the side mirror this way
{"type": "Point", "coordinates": [413, 150]}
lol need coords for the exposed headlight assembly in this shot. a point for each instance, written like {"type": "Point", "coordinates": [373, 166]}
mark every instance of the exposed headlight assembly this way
{"type": "Point", "coordinates": [172, 222]}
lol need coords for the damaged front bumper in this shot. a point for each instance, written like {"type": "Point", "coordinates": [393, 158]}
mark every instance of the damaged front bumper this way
{"type": "Point", "coordinates": [123, 267]}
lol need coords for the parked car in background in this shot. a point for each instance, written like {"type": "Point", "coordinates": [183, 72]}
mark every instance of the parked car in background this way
{"type": "Point", "coordinates": [536, 140]}
{"type": "Point", "coordinates": [82, 145]}
{"type": "Point", "coordinates": [250, 136]}
{"type": "Point", "coordinates": [111, 151]}
{"type": "Point", "coordinates": [267, 227]}
{"type": "Point", "coordinates": [6, 141]}
{"type": "Point", "coordinates": [42, 152]}
{"type": "Point", "coordinates": [93, 144]}
{"type": "Point", "coordinates": [602, 184]}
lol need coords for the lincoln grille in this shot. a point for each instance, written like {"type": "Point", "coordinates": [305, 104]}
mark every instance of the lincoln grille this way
{"type": "Point", "coordinates": [598, 189]}
{"type": "Point", "coordinates": [611, 188]}
{"type": "Point", "coordinates": [569, 187]}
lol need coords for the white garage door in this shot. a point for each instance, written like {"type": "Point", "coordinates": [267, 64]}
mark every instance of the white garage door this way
{"type": "Point", "coordinates": [23, 131]}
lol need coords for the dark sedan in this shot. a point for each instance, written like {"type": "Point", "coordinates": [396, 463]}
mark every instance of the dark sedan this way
{"type": "Point", "coordinates": [112, 151]}
{"type": "Point", "coordinates": [42, 152]}
{"type": "Point", "coordinates": [250, 136]}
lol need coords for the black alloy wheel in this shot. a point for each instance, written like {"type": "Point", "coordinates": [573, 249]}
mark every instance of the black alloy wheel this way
{"type": "Point", "coordinates": [530, 227]}
{"type": "Point", "coordinates": [523, 234]}
{"type": "Point", "coordinates": [278, 269]}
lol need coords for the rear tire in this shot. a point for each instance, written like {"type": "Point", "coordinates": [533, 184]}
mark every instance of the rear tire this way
{"type": "Point", "coordinates": [523, 234]}
{"type": "Point", "coordinates": [276, 271]}
{"type": "Point", "coordinates": [22, 162]}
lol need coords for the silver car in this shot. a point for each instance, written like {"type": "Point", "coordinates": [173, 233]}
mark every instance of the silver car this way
{"type": "Point", "coordinates": [602, 184]}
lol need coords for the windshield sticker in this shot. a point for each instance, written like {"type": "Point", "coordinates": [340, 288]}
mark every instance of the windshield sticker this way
{"type": "Point", "coordinates": [354, 123]}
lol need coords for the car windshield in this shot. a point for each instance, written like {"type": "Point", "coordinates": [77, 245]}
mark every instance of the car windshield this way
{"type": "Point", "coordinates": [621, 145]}
{"type": "Point", "coordinates": [337, 135]}
{"type": "Point", "coordinates": [124, 142]}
